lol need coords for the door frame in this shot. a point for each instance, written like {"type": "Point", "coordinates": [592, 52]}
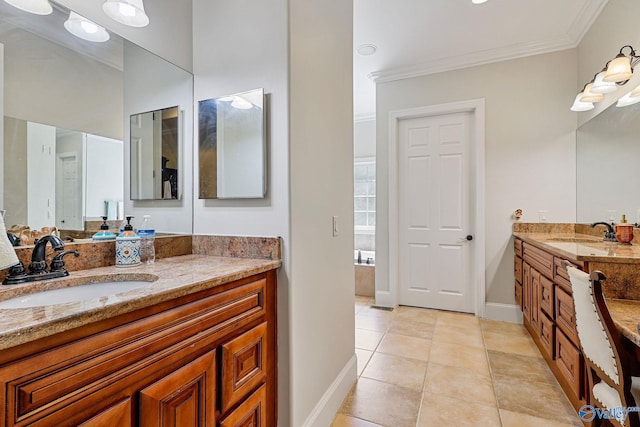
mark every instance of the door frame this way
{"type": "Point", "coordinates": [477, 191]}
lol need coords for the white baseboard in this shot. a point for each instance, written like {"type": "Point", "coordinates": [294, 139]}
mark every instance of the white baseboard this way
{"type": "Point", "coordinates": [326, 409]}
{"type": "Point", "coordinates": [504, 312]}
{"type": "Point", "coordinates": [384, 299]}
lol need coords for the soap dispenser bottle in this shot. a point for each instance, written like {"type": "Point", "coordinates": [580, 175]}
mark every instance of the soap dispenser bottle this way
{"type": "Point", "coordinates": [104, 233]}
{"type": "Point", "coordinates": [128, 247]}
{"type": "Point", "coordinates": [624, 231]}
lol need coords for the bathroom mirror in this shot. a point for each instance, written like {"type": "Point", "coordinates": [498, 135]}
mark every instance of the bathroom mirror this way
{"type": "Point", "coordinates": [154, 143]}
{"type": "Point", "coordinates": [231, 148]}
{"type": "Point", "coordinates": [56, 79]}
{"type": "Point", "coordinates": [607, 153]}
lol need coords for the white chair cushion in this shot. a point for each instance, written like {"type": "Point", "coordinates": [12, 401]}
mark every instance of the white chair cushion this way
{"type": "Point", "coordinates": [593, 338]}
{"type": "Point", "coordinates": [609, 397]}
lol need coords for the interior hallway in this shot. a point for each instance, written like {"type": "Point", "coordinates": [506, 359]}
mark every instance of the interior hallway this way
{"type": "Point", "coordinates": [419, 367]}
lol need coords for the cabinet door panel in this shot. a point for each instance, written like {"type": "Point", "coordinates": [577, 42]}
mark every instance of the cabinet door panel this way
{"type": "Point", "coordinates": [565, 314]}
{"type": "Point", "coordinates": [117, 415]}
{"type": "Point", "coordinates": [526, 291]}
{"type": "Point", "coordinates": [535, 299]}
{"type": "Point", "coordinates": [569, 362]}
{"type": "Point", "coordinates": [183, 398]}
{"type": "Point", "coordinates": [546, 296]}
{"type": "Point", "coordinates": [244, 363]}
{"type": "Point", "coordinates": [252, 412]}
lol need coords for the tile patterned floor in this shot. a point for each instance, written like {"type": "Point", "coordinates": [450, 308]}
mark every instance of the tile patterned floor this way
{"type": "Point", "coordinates": [420, 368]}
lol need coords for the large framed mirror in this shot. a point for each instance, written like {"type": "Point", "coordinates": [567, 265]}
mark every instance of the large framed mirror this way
{"type": "Point", "coordinates": [232, 146]}
{"type": "Point", "coordinates": [607, 179]}
{"type": "Point", "coordinates": [68, 88]}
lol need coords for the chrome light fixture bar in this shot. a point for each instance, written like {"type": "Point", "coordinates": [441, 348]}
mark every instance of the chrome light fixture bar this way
{"type": "Point", "coordinates": [127, 12]}
{"type": "Point", "coordinates": [38, 7]}
{"type": "Point", "coordinates": [617, 72]}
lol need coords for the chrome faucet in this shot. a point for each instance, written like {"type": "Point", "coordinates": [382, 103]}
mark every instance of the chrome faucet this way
{"type": "Point", "coordinates": [38, 265]}
{"type": "Point", "coordinates": [609, 234]}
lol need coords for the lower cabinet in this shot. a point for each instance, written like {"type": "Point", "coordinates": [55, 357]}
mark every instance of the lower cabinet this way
{"type": "Point", "coordinates": [206, 359]}
{"type": "Point", "coordinates": [547, 307]}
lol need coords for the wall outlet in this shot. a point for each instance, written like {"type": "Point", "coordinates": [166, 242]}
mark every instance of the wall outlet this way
{"type": "Point", "coordinates": [336, 230]}
{"type": "Point", "coordinates": [542, 216]}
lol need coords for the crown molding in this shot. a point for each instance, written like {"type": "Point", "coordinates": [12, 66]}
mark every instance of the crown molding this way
{"type": "Point", "coordinates": [577, 30]}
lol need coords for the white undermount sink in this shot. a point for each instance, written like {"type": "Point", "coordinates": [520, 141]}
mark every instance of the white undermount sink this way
{"type": "Point", "coordinates": [82, 292]}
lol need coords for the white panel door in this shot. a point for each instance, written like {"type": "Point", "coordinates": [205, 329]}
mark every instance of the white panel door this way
{"type": "Point", "coordinates": [69, 192]}
{"type": "Point", "coordinates": [434, 220]}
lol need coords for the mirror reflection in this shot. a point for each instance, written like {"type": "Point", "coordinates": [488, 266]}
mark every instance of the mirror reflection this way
{"type": "Point", "coordinates": [154, 154]}
{"type": "Point", "coordinates": [607, 172]}
{"type": "Point", "coordinates": [232, 146]}
{"type": "Point", "coordinates": [86, 91]}
{"type": "Point", "coordinates": [48, 170]}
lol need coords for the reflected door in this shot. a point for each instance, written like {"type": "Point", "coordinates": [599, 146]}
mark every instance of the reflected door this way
{"type": "Point", "coordinates": [68, 192]}
{"type": "Point", "coordinates": [434, 196]}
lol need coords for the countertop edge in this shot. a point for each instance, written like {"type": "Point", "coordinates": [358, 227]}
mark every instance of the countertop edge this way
{"type": "Point", "coordinates": [32, 332]}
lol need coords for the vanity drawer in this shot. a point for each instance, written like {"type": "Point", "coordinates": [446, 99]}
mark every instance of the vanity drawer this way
{"type": "Point", "coordinates": [244, 361]}
{"type": "Point", "coordinates": [560, 275]}
{"type": "Point", "coordinates": [569, 362]}
{"type": "Point", "coordinates": [539, 259]}
{"type": "Point", "coordinates": [547, 335]}
{"type": "Point", "coordinates": [517, 268]}
{"type": "Point", "coordinates": [565, 314]}
{"type": "Point", "coordinates": [517, 247]}
{"type": "Point", "coordinates": [74, 370]}
{"type": "Point", "coordinates": [546, 296]}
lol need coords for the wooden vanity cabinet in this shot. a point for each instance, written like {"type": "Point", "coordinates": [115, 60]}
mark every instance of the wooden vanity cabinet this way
{"type": "Point", "coordinates": [205, 359]}
{"type": "Point", "coordinates": [547, 307]}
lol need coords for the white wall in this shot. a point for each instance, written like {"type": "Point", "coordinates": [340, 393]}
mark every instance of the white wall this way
{"type": "Point", "coordinates": [167, 35]}
{"type": "Point", "coordinates": [105, 173]}
{"type": "Point", "coordinates": [529, 150]}
{"type": "Point", "coordinates": [321, 171]}
{"type": "Point", "coordinates": [41, 164]}
{"type": "Point", "coordinates": [15, 171]}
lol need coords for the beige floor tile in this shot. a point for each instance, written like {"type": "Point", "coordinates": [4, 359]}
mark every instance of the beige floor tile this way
{"type": "Point", "coordinates": [460, 383]}
{"type": "Point", "coordinates": [377, 312]}
{"type": "Point", "coordinates": [372, 323]}
{"type": "Point", "coordinates": [416, 314]}
{"type": "Point", "coordinates": [458, 319]}
{"type": "Point", "coordinates": [342, 420]}
{"type": "Point", "coordinates": [367, 340]}
{"type": "Point", "coordinates": [515, 419]}
{"type": "Point", "coordinates": [523, 345]}
{"type": "Point", "coordinates": [412, 328]}
{"type": "Point", "coordinates": [396, 370]}
{"type": "Point", "coordinates": [533, 398]}
{"type": "Point", "coordinates": [518, 366]}
{"type": "Point", "coordinates": [508, 328]}
{"type": "Point", "coordinates": [439, 410]}
{"type": "Point", "coordinates": [362, 357]}
{"type": "Point", "coordinates": [382, 403]}
{"type": "Point", "coordinates": [459, 355]}
{"type": "Point", "coordinates": [401, 345]}
{"type": "Point", "coordinates": [470, 336]}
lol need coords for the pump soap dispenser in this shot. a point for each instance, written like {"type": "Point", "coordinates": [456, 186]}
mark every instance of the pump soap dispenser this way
{"type": "Point", "coordinates": [624, 231]}
{"type": "Point", "coordinates": [104, 233]}
{"type": "Point", "coordinates": [128, 247]}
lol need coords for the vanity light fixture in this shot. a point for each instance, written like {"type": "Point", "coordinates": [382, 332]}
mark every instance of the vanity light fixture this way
{"type": "Point", "coordinates": [627, 100]}
{"type": "Point", "coordinates": [127, 12]}
{"type": "Point", "coordinates": [240, 103]}
{"type": "Point", "coordinates": [616, 72]}
{"type": "Point", "coordinates": [38, 7]}
{"type": "Point", "coordinates": [580, 105]}
{"type": "Point", "coordinates": [81, 27]}
{"type": "Point", "coordinates": [478, 1]}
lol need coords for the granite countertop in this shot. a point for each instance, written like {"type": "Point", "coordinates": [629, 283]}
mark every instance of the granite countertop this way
{"type": "Point", "coordinates": [583, 247]}
{"type": "Point", "coordinates": [626, 317]}
{"type": "Point", "coordinates": [176, 277]}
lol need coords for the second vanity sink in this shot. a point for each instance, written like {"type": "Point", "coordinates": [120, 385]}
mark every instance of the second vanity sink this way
{"type": "Point", "coordinates": [90, 288]}
{"type": "Point", "coordinates": [577, 239]}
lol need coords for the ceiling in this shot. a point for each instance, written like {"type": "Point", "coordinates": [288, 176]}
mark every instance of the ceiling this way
{"type": "Point", "coordinates": [417, 37]}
